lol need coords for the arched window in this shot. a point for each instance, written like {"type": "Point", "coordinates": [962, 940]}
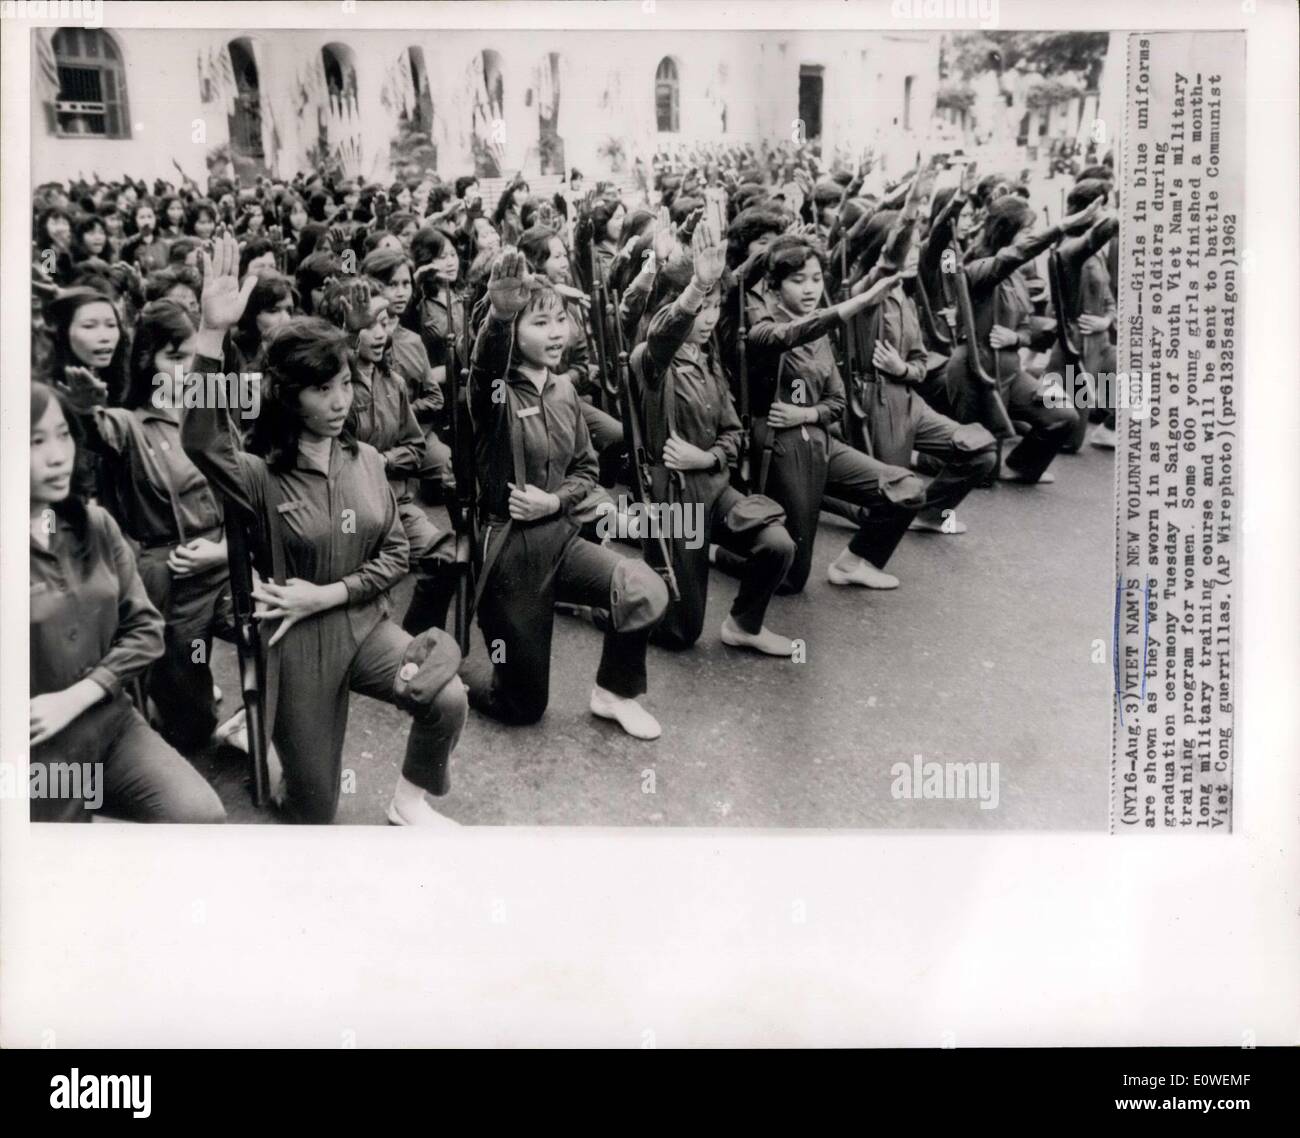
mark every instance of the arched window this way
{"type": "Point", "coordinates": [488, 116]}
{"type": "Point", "coordinates": [421, 115]}
{"type": "Point", "coordinates": [92, 85]}
{"type": "Point", "coordinates": [246, 122]}
{"type": "Point", "coordinates": [667, 97]}
{"type": "Point", "coordinates": [550, 145]}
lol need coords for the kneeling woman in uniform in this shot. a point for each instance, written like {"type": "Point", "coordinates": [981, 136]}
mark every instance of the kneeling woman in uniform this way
{"type": "Point", "coordinates": [534, 462]}
{"type": "Point", "coordinates": [324, 521]}
{"type": "Point", "coordinates": [1002, 311]}
{"type": "Point", "coordinates": [167, 508]}
{"type": "Point", "coordinates": [93, 630]}
{"type": "Point", "coordinates": [693, 428]}
{"type": "Point", "coordinates": [797, 394]}
{"type": "Point", "coordinates": [382, 416]}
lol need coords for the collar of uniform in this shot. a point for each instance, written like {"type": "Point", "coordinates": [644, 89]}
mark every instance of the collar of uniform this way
{"type": "Point", "coordinates": [336, 460]}
{"type": "Point", "coordinates": [516, 378]}
{"type": "Point", "coordinates": [149, 411]}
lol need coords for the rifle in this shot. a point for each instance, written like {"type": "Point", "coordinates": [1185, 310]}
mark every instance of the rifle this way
{"type": "Point", "coordinates": [974, 364]}
{"type": "Point", "coordinates": [1071, 352]}
{"type": "Point", "coordinates": [248, 645]}
{"type": "Point", "coordinates": [642, 487]}
{"type": "Point", "coordinates": [855, 404]}
{"type": "Point", "coordinates": [743, 465]}
{"type": "Point", "coordinates": [598, 327]}
{"type": "Point", "coordinates": [460, 504]}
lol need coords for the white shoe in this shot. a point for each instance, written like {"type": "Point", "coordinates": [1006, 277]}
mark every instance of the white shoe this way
{"type": "Point", "coordinates": [927, 523]}
{"type": "Point", "coordinates": [1104, 437]}
{"type": "Point", "coordinates": [766, 641]}
{"type": "Point", "coordinates": [411, 807]}
{"type": "Point", "coordinates": [864, 574]}
{"type": "Point", "coordinates": [627, 713]}
{"type": "Point", "coordinates": [1007, 474]}
{"type": "Point", "coordinates": [234, 732]}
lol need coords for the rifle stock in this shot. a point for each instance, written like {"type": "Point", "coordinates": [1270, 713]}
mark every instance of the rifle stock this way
{"type": "Point", "coordinates": [248, 645]}
{"type": "Point", "coordinates": [644, 488]}
{"type": "Point", "coordinates": [974, 364]}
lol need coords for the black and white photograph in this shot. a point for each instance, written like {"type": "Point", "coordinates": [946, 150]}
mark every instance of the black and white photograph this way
{"type": "Point", "coordinates": [640, 422]}
{"type": "Point", "coordinates": [575, 432]}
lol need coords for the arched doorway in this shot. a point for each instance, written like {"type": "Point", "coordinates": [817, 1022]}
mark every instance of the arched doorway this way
{"type": "Point", "coordinates": [340, 111]}
{"type": "Point", "coordinates": [489, 115]}
{"type": "Point", "coordinates": [246, 152]}
{"type": "Point", "coordinates": [550, 145]}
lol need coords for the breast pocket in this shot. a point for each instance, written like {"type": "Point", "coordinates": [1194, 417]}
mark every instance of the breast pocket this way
{"type": "Point", "coordinates": [45, 602]}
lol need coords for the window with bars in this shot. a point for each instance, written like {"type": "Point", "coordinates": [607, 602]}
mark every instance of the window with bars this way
{"type": "Point", "coordinates": [92, 86]}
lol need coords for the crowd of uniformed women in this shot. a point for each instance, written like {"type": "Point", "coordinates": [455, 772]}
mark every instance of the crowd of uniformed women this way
{"type": "Point", "coordinates": [768, 340]}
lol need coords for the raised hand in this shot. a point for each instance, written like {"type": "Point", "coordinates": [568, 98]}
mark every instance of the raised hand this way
{"type": "Point", "coordinates": [84, 389]}
{"type": "Point", "coordinates": [1077, 222]}
{"type": "Point", "coordinates": [509, 284]}
{"type": "Point", "coordinates": [224, 298]}
{"type": "Point", "coordinates": [709, 256]}
{"type": "Point", "coordinates": [864, 298]}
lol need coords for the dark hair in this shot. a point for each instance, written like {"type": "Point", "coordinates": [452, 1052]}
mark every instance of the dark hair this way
{"type": "Point", "coordinates": [287, 205]}
{"type": "Point", "coordinates": [535, 245]}
{"type": "Point", "coordinates": [428, 245]}
{"type": "Point", "coordinates": [400, 220]}
{"type": "Point", "coordinates": [438, 198]}
{"type": "Point", "coordinates": [601, 214]}
{"type": "Point", "coordinates": [786, 257]}
{"type": "Point", "coordinates": [158, 284]}
{"type": "Point", "coordinates": [48, 215]}
{"type": "Point", "coordinates": [59, 315]}
{"type": "Point", "coordinates": [317, 204]}
{"type": "Point", "coordinates": [79, 231]}
{"type": "Point", "coordinates": [1085, 193]}
{"type": "Point", "coordinates": [1090, 172]}
{"type": "Point", "coordinates": [197, 210]}
{"type": "Point", "coordinates": [306, 352]}
{"type": "Point", "coordinates": [181, 248]}
{"type": "Point", "coordinates": [1006, 217]}
{"type": "Point", "coordinates": [309, 239]}
{"type": "Point", "coordinates": [382, 264]}
{"type": "Point", "coordinates": [987, 185]}
{"type": "Point", "coordinates": [505, 203]}
{"type": "Point", "coordinates": [270, 290]}
{"type": "Point", "coordinates": [871, 242]}
{"type": "Point", "coordinates": [751, 225]}
{"type": "Point", "coordinates": [162, 324]}
{"type": "Point", "coordinates": [163, 206]}
{"type": "Point", "coordinates": [313, 273]}
{"type": "Point", "coordinates": [463, 183]}
{"type": "Point", "coordinates": [256, 247]}
{"type": "Point", "coordinates": [73, 508]}
{"type": "Point", "coordinates": [635, 224]}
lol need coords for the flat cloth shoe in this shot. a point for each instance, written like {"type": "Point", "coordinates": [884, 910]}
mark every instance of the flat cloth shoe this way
{"type": "Point", "coordinates": [766, 641]}
{"type": "Point", "coordinates": [865, 574]}
{"type": "Point", "coordinates": [627, 713]}
{"type": "Point", "coordinates": [933, 525]}
{"type": "Point", "coordinates": [419, 813]}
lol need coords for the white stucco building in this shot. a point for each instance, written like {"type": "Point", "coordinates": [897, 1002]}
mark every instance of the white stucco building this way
{"type": "Point", "coordinates": [145, 101]}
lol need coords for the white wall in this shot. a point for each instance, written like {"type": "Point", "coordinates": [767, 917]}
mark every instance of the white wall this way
{"type": "Point", "coordinates": [607, 89]}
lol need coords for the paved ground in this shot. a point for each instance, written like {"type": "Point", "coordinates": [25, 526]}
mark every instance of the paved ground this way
{"type": "Point", "coordinates": [984, 654]}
